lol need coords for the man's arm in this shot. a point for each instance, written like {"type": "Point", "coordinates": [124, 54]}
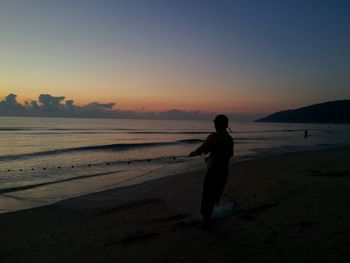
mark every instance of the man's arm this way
{"type": "Point", "coordinates": [232, 152]}
{"type": "Point", "coordinates": [204, 148]}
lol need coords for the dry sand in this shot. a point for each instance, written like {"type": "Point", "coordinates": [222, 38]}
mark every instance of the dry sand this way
{"type": "Point", "coordinates": [293, 207]}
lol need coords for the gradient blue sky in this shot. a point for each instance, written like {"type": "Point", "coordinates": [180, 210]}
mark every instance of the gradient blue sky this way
{"type": "Point", "coordinates": [230, 56]}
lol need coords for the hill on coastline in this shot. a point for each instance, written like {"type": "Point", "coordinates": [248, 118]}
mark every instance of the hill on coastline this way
{"type": "Point", "coordinates": [328, 112]}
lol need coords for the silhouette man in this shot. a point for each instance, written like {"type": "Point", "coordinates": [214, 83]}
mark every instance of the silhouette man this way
{"type": "Point", "coordinates": [220, 146]}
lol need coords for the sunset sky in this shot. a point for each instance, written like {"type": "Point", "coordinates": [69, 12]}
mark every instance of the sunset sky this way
{"type": "Point", "coordinates": [219, 55]}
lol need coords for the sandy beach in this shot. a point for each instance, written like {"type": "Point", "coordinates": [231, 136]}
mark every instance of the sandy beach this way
{"type": "Point", "coordinates": [292, 207]}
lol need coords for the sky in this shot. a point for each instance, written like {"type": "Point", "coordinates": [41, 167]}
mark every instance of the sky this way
{"type": "Point", "coordinates": [244, 57]}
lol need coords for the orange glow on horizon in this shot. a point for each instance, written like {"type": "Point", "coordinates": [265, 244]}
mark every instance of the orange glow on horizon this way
{"type": "Point", "coordinates": [239, 106]}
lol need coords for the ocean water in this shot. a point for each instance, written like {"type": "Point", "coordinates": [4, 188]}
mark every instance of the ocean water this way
{"type": "Point", "coordinates": [44, 160]}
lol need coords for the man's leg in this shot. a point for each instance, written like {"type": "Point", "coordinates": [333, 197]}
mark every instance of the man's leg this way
{"type": "Point", "coordinates": [208, 201]}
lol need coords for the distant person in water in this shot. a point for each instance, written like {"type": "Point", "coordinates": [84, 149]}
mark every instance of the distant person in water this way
{"type": "Point", "coordinates": [306, 134]}
{"type": "Point", "coordinates": [220, 146]}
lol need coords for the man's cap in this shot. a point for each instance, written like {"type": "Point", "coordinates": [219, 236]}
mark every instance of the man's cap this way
{"type": "Point", "coordinates": [221, 118]}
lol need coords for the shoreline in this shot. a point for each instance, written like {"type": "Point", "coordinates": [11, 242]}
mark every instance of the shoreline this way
{"type": "Point", "coordinates": [197, 172]}
{"type": "Point", "coordinates": [287, 202]}
{"type": "Point", "coordinates": [270, 152]}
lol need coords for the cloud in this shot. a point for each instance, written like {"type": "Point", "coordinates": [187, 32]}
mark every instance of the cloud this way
{"type": "Point", "coordinates": [176, 114]}
{"type": "Point", "coordinates": [10, 104]}
{"type": "Point", "coordinates": [34, 105]}
{"type": "Point", "coordinates": [56, 106]}
{"type": "Point", "coordinates": [98, 106]}
{"type": "Point", "coordinates": [50, 103]}
{"type": "Point", "coordinates": [70, 105]}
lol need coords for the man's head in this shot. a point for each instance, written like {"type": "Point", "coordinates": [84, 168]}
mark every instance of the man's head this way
{"type": "Point", "coordinates": [221, 122]}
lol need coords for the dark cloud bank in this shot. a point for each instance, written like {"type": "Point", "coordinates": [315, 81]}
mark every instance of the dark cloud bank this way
{"type": "Point", "coordinates": [52, 106]}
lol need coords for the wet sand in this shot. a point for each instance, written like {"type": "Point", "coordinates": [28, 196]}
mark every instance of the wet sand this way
{"type": "Point", "coordinates": [292, 207]}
